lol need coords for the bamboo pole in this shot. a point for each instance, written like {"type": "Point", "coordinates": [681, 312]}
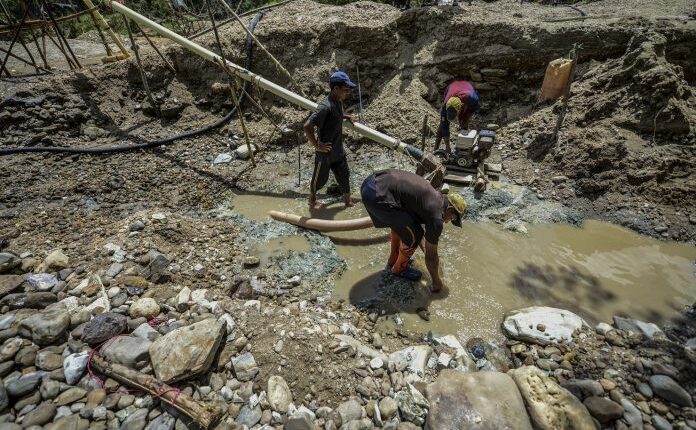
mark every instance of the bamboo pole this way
{"type": "Point", "coordinates": [21, 39]}
{"type": "Point", "coordinates": [103, 25]}
{"type": "Point", "coordinates": [135, 48]}
{"type": "Point", "coordinates": [60, 33]}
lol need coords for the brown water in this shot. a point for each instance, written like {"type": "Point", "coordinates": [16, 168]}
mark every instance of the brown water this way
{"type": "Point", "coordinates": [598, 271]}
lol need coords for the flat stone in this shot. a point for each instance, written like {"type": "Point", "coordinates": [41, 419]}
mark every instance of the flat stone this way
{"type": "Point", "coordinates": [645, 390]}
{"type": "Point", "coordinates": [388, 408]}
{"type": "Point", "coordinates": [70, 422]}
{"type": "Point", "coordinates": [186, 352]}
{"type": "Point", "coordinates": [71, 395]}
{"type": "Point", "coordinates": [46, 360]}
{"type": "Point", "coordinates": [42, 281]}
{"type": "Point", "coordinates": [9, 283]}
{"type": "Point", "coordinates": [127, 350]}
{"type": "Point", "coordinates": [603, 409]}
{"type": "Point", "coordinates": [582, 388]}
{"type": "Point", "coordinates": [279, 394]}
{"type": "Point", "coordinates": [559, 325]}
{"type": "Point", "coordinates": [299, 422]}
{"type": "Point", "coordinates": [23, 385]}
{"type": "Point", "coordinates": [649, 330]}
{"type": "Point", "coordinates": [29, 300]}
{"type": "Point", "coordinates": [145, 331]}
{"type": "Point", "coordinates": [162, 422]}
{"type": "Point", "coordinates": [249, 416]}
{"type": "Point", "coordinates": [54, 261]}
{"type": "Point", "coordinates": [631, 413]}
{"type": "Point", "coordinates": [415, 358]}
{"type": "Point", "coordinates": [660, 423]}
{"type": "Point", "coordinates": [549, 405]}
{"type": "Point", "coordinates": [135, 421]}
{"type": "Point", "coordinates": [47, 326]}
{"type": "Point", "coordinates": [349, 411]}
{"type": "Point", "coordinates": [8, 262]}
{"type": "Point", "coordinates": [103, 327]}
{"type": "Point", "coordinates": [41, 415]}
{"type": "Point", "coordinates": [668, 389]}
{"type": "Point", "coordinates": [460, 400]}
{"type": "Point", "coordinates": [10, 348]}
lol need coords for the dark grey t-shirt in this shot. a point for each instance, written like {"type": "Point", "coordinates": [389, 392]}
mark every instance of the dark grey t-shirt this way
{"type": "Point", "coordinates": [329, 120]}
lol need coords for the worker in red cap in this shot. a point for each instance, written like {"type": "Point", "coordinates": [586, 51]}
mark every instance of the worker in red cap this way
{"type": "Point", "coordinates": [460, 102]}
{"type": "Point", "coordinates": [328, 146]}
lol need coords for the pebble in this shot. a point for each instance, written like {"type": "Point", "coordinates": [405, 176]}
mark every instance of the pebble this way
{"type": "Point", "coordinates": [668, 389]}
{"type": "Point", "coordinates": [660, 423]}
{"type": "Point", "coordinates": [40, 416]}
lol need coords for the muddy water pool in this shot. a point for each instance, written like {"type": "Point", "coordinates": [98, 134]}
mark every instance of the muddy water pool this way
{"type": "Point", "coordinates": [598, 271]}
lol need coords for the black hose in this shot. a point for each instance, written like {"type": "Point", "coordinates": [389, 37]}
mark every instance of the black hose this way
{"type": "Point", "coordinates": [155, 143]}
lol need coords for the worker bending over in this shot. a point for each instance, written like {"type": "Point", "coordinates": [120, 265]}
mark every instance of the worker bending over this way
{"type": "Point", "coordinates": [460, 102]}
{"type": "Point", "coordinates": [403, 201]}
{"type": "Point", "coordinates": [329, 152]}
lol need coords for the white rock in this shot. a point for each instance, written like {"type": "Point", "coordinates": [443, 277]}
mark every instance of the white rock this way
{"type": "Point", "coordinates": [222, 158]}
{"type": "Point", "coordinates": [243, 151]}
{"type": "Point", "coordinates": [146, 307]}
{"type": "Point", "coordinates": [253, 304]}
{"type": "Point", "coordinates": [74, 367]}
{"type": "Point", "coordinates": [559, 324]}
{"type": "Point", "coordinates": [376, 363]}
{"type": "Point", "coordinates": [229, 322]}
{"type": "Point", "coordinates": [603, 328]}
{"type": "Point", "coordinates": [444, 359]}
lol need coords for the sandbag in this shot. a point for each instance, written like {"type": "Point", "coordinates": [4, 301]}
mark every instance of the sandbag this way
{"type": "Point", "coordinates": [556, 78]}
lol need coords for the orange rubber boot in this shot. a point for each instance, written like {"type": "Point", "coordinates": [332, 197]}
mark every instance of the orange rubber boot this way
{"type": "Point", "coordinates": [405, 254]}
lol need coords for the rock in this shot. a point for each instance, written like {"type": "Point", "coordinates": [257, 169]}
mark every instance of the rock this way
{"type": "Point", "coordinates": [29, 300]}
{"type": "Point", "coordinates": [460, 400]}
{"type": "Point", "coordinates": [23, 385]}
{"type": "Point", "coordinates": [582, 388]}
{"type": "Point", "coordinates": [147, 308]}
{"type": "Point", "coordinates": [74, 367]}
{"type": "Point", "coordinates": [93, 132]}
{"type": "Point", "coordinates": [603, 409]}
{"type": "Point", "coordinates": [188, 351]}
{"type": "Point", "coordinates": [559, 324]}
{"type": "Point", "coordinates": [8, 262]}
{"type": "Point", "coordinates": [245, 368]}
{"type": "Point", "coordinates": [126, 350]}
{"type": "Point", "coordinates": [182, 299]}
{"type": "Point", "coordinates": [145, 331]}
{"type": "Point", "coordinates": [103, 327]}
{"type": "Point", "coordinates": [4, 398]}
{"type": "Point", "coordinates": [668, 389]}
{"type": "Point", "coordinates": [279, 394]}
{"type": "Point", "coordinates": [10, 348]}
{"type": "Point", "coordinates": [135, 421]}
{"type": "Point", "coordinates": [47, 326]}
{"type": "Point", "coordinates": [415, 358]}
{"type": "Point", "coordinates": [660, 423]}
{"type": "Point", "coordinates": [6, 321]}
{"type": "Point", "coordinates": [648, 329]}
{"type": "Point", "coordinates": [549, 405]}
{"type": "Point", "coordinates": [376, 363]}
{"type": "Point", "coordinates": [46, 360]}
{"type": "Point", "coordinates": [631, 414]}
{"type": "Point", "coordinates": [412, 404]}
{"type": "Point", "coordinates": [249, 416]}
{"type": "Point", "coordinates": [559, 179]}
{"type": "Point", "coordinates": [70, 422]}
{"type": "Point", "coordinates": [222, 158]}
{"type": "Point", "coordinates": [42, 281]}
{"type": "Point", "coordinates": [243, 151]}
{"type": "Point", "coordinates": [299, 422]}
{"type": "Point", "coordinates": [9, 283]}
{"type": "Point", "coordinates": [54, 261]}
{"type": "Point", "coordinates": [645, 390]}
{"type": "Point", "coordinates": [162, 422]}
{"type": "Point", "coordinates": [349, 411]}
{"type": "Point", "coordinates": [70, 396]}
{"type": "Point", "coordinates": [41, 415]}
{"type": "Point", "coordinates": [388, 408]}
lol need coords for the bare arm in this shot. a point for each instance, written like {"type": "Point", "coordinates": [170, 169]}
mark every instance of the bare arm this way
{"type": "Point", "coordinates": [312, 138]}
{"type": "Point", "coordinates": [432, 263]}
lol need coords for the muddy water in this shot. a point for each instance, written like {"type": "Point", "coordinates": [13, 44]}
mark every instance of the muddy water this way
{"type": "Point", "coordinates": [597, 271]}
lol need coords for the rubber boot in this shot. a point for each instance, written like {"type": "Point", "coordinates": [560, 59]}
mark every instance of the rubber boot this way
{"type": "Point", "coordinates": [400, 267]}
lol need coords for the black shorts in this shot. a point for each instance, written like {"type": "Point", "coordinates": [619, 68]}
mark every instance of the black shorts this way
{"type": "Point", "coordinates": [404, 225]}
{"type": "Point", "coordinates": [323, 164]}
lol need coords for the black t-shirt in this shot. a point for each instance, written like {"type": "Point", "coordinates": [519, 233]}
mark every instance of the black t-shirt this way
{"type": "Point", "coordinates": [329, 120]}
{"type": "Point", "coordinates": [405, 190]}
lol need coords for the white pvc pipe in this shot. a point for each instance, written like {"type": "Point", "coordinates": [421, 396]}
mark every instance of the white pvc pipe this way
{"type": "Point", "coordinates": [236, 70]}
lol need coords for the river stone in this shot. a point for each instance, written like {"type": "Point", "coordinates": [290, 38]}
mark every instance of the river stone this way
{"type": "Point", "coordinates": [70, 396]}
{"type": "Point", "coordinates": [279, 394]}
{"type": "Point", "coordinates": [603, 409]}
{"type": "Point", "coordinates": [40, 416]}
{"type": "Point", "coordinates": [631, 414]}
{"type": "Point", "coordinates": [162, 422]}
{"type": "Point", "coordinates": [147, 308]}
{"type": "Point", "coordinates": [135, 421]}
{"type": "Point", "coordinates": [4, 398]}
{"type": "Point", "coordinates": [245, 368]}
{"type": "Point", "coordinates": [187, 351]}
{"type": "Point", "coordinates": [249, 416]}
{"type": "Point", "coordinates": [415, 358]}
{"type": "Point", "coordinates": [6, 321]}
{"type": "Point", "coordinates": [349, 411]}
{"type": "Point", "coordinates": [412, 404]}
{"type": "Point", "coordinates": [8, 262]}
{"type": "Point", "coordinates": [668, 389]}
{"type": "Point", "coordinates": [24, 385]}
{"type": "Point", "coordinates": [549, 405]}
{"type": "Point", "coordinates": [54, 261]}
{"type": "Point", "coordinates": [47, 360]}
{"type": "Point", "coordinates": [649, 330]}
{"type": "Point", "coordinates": [103, 327]}
{"type": "Point", "coordinates": [46, 326]}
{"type": "Point", "coordinates": [29, 300]}
{"type": "Point", "coordinates": [582, 388]}
{"type": "Point", "coordinates": [70, 422]}
{"type": "Point", "coordinates": [300, 421]}
{"type": "Point", "coordinates": [74, 366]}
{"type": "Point", "coordinates": [558, 325]}
{"type": "Point", "coordinates": [660, 423]}
{"type": "Point", "coordinates": [9, 283]}
{"type": "Point", "coordinates": [10, 348]}
{"type": "Point", "coordinates": [42, 281]}
{"type": "Point", "coordinates": [127, 350]}
{"type": "Point", "coordinates": [459, 400]}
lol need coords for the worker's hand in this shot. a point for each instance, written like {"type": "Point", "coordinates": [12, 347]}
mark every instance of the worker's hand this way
{"type": "Point", "coordinates": [350, 118]}
{"type": "Point", "coordinates": [322, 147]}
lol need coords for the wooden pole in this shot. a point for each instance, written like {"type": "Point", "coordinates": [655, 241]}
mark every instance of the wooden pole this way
{"type": "Point", "coordinates": [21, 39]}
{"type": "Point", "coordinates": [135, 48]}
{"type": "Point", "coordinates": [169, 65]}
{"type": "Point", "coordinates": [14, 40]}
{"type": "Point", "coordinates": [60, 33]}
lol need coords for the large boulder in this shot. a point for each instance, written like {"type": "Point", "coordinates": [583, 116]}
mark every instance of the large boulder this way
{"type": "Point", "coordinates": [549, 405]}
{"type": "Point", "coordinates": [187, 351]}
{"type": "Point", "coordinates": [47, 326]}
{"type": "Point", "coordinates": [541, 324]}
{"type": "Point", "coordinates": [482, 400]}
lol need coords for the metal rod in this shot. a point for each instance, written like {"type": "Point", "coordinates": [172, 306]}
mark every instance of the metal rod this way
{"type": "Point", "coordinates": [135, 48]}
{"type": "Point", "coordinates": [236, 70]}
{"type": "Point", "coordinates": [168, 64]}
{"type": "Point", "coordinates": [60, 33]}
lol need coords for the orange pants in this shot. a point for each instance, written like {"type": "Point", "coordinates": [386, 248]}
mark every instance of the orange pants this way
{"type": "Point", "coordinates": [400, 254]}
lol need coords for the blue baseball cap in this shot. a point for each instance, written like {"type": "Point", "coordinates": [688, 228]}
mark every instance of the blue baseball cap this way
{"type": "Point", "coordinates": [341, 77]}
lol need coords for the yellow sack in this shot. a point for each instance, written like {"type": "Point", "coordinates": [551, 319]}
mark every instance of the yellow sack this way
{"type": "Point", "coordinates": [556, 78]}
